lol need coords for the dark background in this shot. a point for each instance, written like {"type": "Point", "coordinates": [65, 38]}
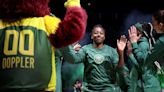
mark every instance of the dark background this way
{"type": "Point", "coordinates": [114, 15]}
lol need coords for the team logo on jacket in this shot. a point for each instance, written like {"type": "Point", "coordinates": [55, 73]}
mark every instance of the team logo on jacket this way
{"type": "Point", "coordinates": [98, 58]}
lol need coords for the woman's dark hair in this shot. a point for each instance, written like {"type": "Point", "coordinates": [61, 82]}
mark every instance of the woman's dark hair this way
{"type": "Point", "coordinates": [146, 27]}
{"type": "Point", "coordinates": [98, 25]}
{"type": "Point", "coordinates": [159, 16]}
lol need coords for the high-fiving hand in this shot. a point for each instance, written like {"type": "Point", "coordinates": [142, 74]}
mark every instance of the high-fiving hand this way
{"type": "Point", "coordinates": [121, 43]}
{"type": "Point", "coordinates": [133, 36]}
{"type": "Point", "coordinates": [76, 47]}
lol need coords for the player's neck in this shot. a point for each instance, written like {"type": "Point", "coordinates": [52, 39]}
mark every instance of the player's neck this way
{"type": "Point", "coordinates": [98, 45]}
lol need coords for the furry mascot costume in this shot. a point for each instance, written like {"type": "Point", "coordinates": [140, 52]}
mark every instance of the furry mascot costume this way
{"type": "Point", "coordinates": [28, 37]}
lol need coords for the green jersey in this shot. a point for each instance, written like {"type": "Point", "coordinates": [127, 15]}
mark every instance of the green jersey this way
{"type": "Point", "coordinates": [99, 67]}
{"type": "Point", "coordinates": [142, 77]}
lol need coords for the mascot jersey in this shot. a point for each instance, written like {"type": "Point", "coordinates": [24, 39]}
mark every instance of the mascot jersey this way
{"type": "Point", "coordinates": [22, 52]}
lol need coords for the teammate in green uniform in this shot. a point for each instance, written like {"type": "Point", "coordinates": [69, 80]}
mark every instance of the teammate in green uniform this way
{"type": "Point", "coordinates": [143, 78]}
{"type": "Point", "coordinates": [157, 52]}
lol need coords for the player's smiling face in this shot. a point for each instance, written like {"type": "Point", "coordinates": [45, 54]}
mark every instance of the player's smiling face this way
{"type": "Point", "coordinates": [98, 35]}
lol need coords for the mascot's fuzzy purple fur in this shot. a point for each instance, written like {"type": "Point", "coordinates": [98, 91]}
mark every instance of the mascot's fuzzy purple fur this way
{"type": "Point", "coordinates": [28, 38]}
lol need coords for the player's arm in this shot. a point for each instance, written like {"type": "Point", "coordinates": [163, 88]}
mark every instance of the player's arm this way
{"type": "Point", "coordinates": [73, 56]}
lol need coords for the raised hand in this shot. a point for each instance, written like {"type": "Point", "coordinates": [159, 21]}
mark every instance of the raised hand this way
{"type": "Point", "coordinates": [133, 35]}
{"type": "Point", "coordinates": [76, 47]}
{"type": "Point", "coordinates": [121, 43]}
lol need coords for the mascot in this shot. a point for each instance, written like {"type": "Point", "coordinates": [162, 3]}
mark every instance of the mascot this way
{"type": "Point", "coordinates": [28, 38]}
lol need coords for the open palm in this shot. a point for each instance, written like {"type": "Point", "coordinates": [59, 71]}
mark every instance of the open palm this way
{"type": "Point", "coordinates": [133, 34]}
{"type": "Point", "coordinates": [121, 43]}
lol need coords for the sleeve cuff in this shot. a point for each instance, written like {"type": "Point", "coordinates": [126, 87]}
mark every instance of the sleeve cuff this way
{"type": "Point", "coordinates": [72, 3]}
{"type": "Point", "coordinates": [134, 45]}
